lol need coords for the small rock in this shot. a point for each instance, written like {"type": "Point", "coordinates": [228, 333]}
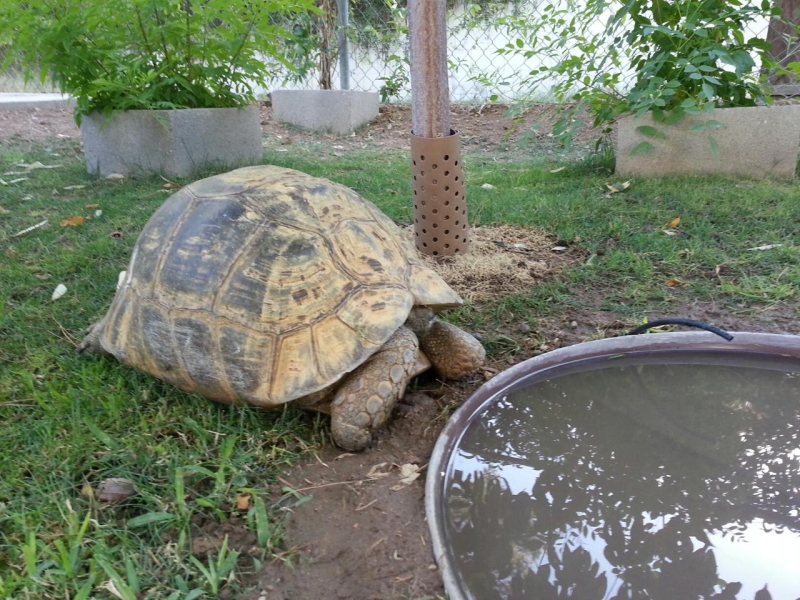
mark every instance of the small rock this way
{"type": "Point", "coordinates": [488, 186]}
{"type": "Point", "coordinates": [115, 490]}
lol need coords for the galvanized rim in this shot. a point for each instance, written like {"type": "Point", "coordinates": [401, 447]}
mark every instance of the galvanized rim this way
{"type": "Point", "coordinates": [547, 365]}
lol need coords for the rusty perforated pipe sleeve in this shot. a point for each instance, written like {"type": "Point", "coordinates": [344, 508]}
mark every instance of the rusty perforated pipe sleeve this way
{"type": "Point", "coordinates": [440, 208]}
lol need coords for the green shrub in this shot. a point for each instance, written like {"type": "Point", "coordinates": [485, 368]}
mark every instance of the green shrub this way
{"type": "Point", "coordinates": [671, 57]}
{"type": "Point", "coordinates": [148, 54]}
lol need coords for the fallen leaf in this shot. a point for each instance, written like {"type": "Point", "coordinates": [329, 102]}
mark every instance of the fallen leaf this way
{"type": "Point", "coordinates": [171, 185]}
{"type": "Point", "coordinates": [618, 187]}
{"type": "Point", "coordinates": [674, 282]}
{"type": "Point", "coordinates": [121, 278]}
{"type": "Point", "coordinates": [90, 206]}
{"type": "Point", "coordinates": [29, 229]}
{"type": "Point", "coordinates": [408, 473]}
{"type": "Point", "coordinates": [670, 232]}
{"type": "Point", "coordinates": [87, 491]}
{"type": "Point", "coordinates": [376, 473]}
{"type": "Point", "coordinates": [35, 165]}
{"type": "Point", "coordinates": [111, 588]}
{"type": "Point", "coordinates": [17, 180]}
{"type": "Point", "coordinates": [72, 221]}
{"type": "Point", "coordinates": [488, 186]}
{"type": "Point", "coordinates": [115, 489]}
{"type": "Point", "coordinates": [558, 248]}
{"type": "Point", "coordinates": [115, 176]}
{"type": "Point", "coordinates": [489, 372]}
{"type": "Point", "coordinates": [98, 214]}
{"type": "Point", "coordinates": [558, 170]}
{"type": "Point", "coordinates": [243, 502]}
{"type": "Point", "coordinates": [767, 247]}
{"type": "Point", "coordinates": [675, 222]}
{"type": "Point", "coordinates": [74, 187]}
{"type": "Point", "coordinates": [60, 290]}
{"type": "Point", "coordinates": [3, 211]}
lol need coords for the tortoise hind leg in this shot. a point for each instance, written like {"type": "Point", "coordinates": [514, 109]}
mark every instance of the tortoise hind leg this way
{"type": "Point", "coordinates": [91, 343]}
{"type": "Point", "coordinates": [365, 400]}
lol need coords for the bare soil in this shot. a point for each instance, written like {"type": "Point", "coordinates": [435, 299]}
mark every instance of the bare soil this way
{"type": "Point", "coordinates": [487, 126]}
{"type": "Point", "coordinates": [363, 535]}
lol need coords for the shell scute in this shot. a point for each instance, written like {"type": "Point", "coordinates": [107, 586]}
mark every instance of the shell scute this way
{"type": "Point", "coordinates": [248, 360]}
{"type": "Point", "coordinates": [202, 250]}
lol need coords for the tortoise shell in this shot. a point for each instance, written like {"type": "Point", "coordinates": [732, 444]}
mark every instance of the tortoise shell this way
{"type": "Point", "coordinates": [265, 285]}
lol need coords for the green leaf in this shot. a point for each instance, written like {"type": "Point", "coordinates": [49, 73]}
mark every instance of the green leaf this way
{"type": "Point", "coordinates": [150, 518]}
{"type": "Point", "coordinates": [697, 127]}
{"type": "Point", "coordinates": [651, 132]}
{"type": "Point", "coordinates": [642, 149]}
{"type": "Point", "coordinates": [658, 11]}
{"type": "Point", "coordinates": [709, 92]}
{"type": "Point", "coordinates": [100, 435]}
{"type": "Point", "coordinates": [714, 146]}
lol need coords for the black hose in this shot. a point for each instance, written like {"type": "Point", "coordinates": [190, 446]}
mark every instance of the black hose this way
{"type": "Point", "coordinates": [688, 322]}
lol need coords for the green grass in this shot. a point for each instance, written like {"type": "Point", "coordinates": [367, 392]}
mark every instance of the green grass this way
{"type": "Point", "coordinates": [71, 421]}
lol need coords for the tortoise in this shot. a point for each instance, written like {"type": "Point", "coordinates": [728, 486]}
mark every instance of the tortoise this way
{"type": "Point", "coordinates": [265, 285]}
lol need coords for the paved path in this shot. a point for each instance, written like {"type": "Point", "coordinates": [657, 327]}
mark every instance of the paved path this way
{"type": "Point", "coordinates": [10, 101]}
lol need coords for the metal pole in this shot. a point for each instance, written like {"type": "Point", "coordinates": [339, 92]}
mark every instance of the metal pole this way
{"type": "Point", "coordinates": [430, 96]}
{"type": "Point", "coordinates": [344, 55]}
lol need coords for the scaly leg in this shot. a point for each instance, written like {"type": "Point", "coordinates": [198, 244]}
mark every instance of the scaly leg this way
{"type": "Point", "coordinates": [367, 396]}
{"type": "Point", "coordinates": [453, 352]}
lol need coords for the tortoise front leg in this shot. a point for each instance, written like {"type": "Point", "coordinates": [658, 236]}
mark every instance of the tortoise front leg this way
{"type": "Point", "coordinates": [453, 352]}
{"type": "Point", "coordinates": [367, 396]}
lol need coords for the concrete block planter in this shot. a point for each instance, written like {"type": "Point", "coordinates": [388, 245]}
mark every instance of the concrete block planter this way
{"type": "Point", "coordinates": [174, 143]}
{"type": "Point", "coordinates": [758, 141]}
{"type": "Point", "coordinates": [334, 111]}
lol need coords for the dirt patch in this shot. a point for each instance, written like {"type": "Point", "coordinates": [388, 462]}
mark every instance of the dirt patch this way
{"type": "Point", "coordinates": [362, 536]}
{"type": "Point", "coordinates": [36, 125]}
{"type": "Point", "coordinates": [484, 127]}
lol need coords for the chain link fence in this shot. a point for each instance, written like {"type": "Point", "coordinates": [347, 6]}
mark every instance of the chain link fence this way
{"type": "Point", "coordinates": [378, 50]}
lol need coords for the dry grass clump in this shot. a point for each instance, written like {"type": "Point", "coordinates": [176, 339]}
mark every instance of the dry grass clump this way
{"type": "Point", "coordinates": [502, 260]}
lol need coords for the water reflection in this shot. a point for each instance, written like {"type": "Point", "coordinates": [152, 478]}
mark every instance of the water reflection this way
{"type": "Point", "coordinates": [638, 481]}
